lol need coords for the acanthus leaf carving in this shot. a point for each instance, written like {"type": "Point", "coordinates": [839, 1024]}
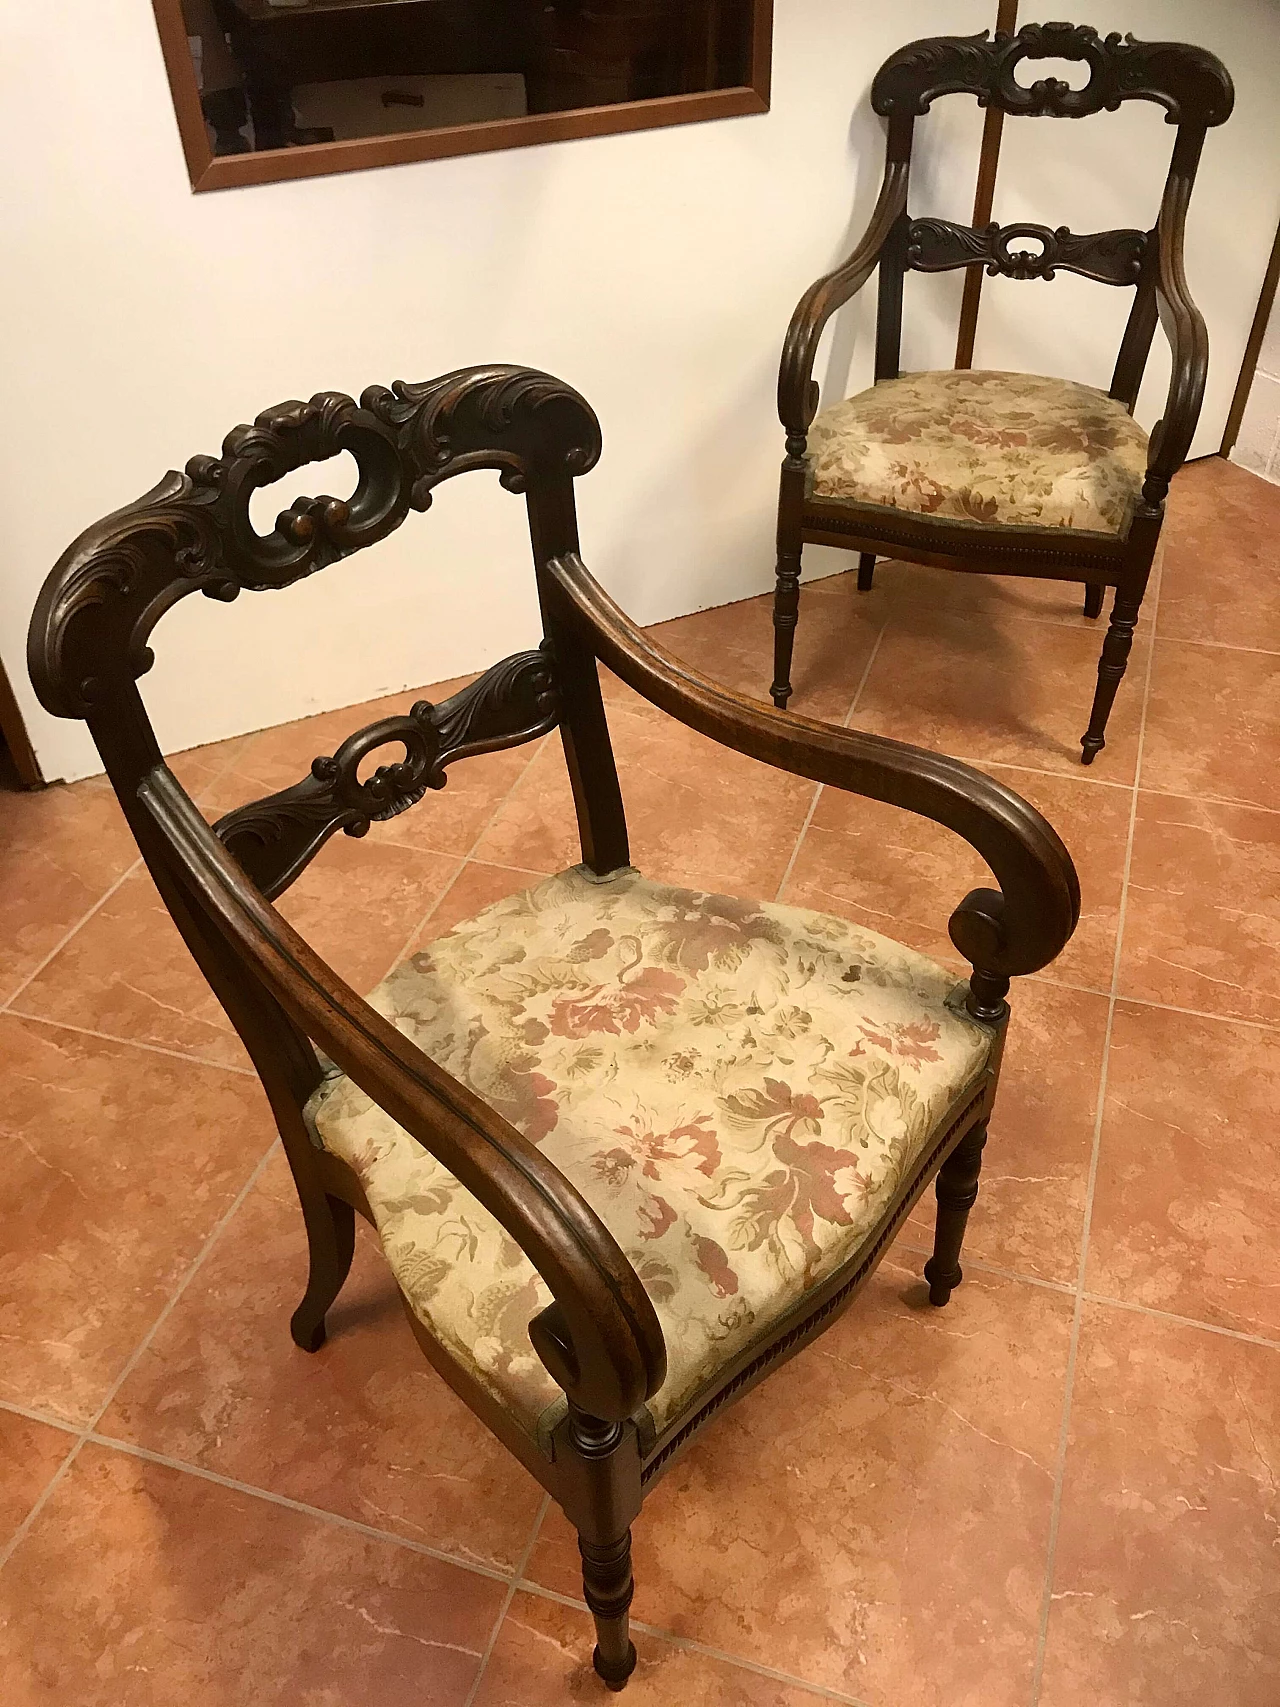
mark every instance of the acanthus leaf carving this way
{"type": "Point", "coordinates": [1191, 84]}
{"type": "Point", "coordinates": [1109, 257]}
{"type": "Point", "coordinates": [276, 838]}
{"type": "Point", "coordinates": [193, 532]}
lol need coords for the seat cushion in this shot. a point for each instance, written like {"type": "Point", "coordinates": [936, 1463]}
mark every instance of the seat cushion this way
{"type": "Point", "coordinates": [983, 447]}
{"type": "Point", "coordinates": [736, 1088]}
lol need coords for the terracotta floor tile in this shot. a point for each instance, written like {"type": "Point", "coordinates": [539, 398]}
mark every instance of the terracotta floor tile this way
{"type": "Point", "coordinates": [199, 769]}
{"type": "Point", "coordinates": [1165, 1587]}
{"type": "Point", "coordinates": [1004, 690]}
{"type": "Point", "coordinates": [61, 849]}
{"type": "Point", "coordinates": [1213, 723]}
{"type": "Point", "coordinates": [543, 1659]}
{"type": "Point", "coordinates": [119, 1164]}
{"type": "Point", "coordinates": [139, 1586]}
{"type": "Point", "coordinates": [835, 637]}
{"type": "Point", "coordinates": [698, 814]}
{"type": "Point", "coordinates": [364, 1427]}
{"type": "Point", "coordinates": [1202, 927]}
{"type": "Point", "coordinates": [903, 875]}
{"type": "Point", "coordinates": [30, 1455]}
{"type": "Point", "coordinates": [1186, 1213]}
{"type": "Point", "coordinates": [1029, 1216]}
{"type": "Point", "coordinates": [1220, 558]}
{"type": "Point", "coordinates": [875, 1517]}
{"type": "Point", "coordinates": [128, 973]}
{"type": "Point", "coordinates": [278, 757]}
{"type": "Point", "coordinates": [991, 598]}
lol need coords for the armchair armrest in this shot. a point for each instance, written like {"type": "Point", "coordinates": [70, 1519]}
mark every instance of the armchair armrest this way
{"type": "Point", "coordinates": [797, 392]}
{"type": "Point", "coordinates": [1184, 327]}
{"type": "Point", "coordinates": [600, 1339]}
{"type": "Point", "coordinates": [1017, 930]}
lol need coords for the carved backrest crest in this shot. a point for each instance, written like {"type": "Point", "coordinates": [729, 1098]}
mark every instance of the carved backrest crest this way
{"type": "Point", "coordinates": [1191, 84]}
{"type": "Point", "coordinates": [193, 532]}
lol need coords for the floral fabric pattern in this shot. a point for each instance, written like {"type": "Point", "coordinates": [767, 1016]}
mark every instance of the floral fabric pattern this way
{"type": "Point", "coordinates": [983, 447]}
{"type": "Point", "coordinates": [736, 1088]}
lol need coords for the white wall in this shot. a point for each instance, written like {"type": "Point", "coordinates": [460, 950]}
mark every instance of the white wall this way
{"type": "Point", "coordinates": [655, 271]}
{"type": "Point", "coordinates": [1257, 445]}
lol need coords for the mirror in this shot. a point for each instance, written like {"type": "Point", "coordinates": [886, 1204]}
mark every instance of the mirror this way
{"type": "Point", "coordinates": [269, 89]}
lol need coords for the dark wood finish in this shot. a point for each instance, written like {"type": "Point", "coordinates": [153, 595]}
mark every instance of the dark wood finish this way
{"type": "Point", "coordinates": [1252, 349]}
{"type": "Point", "coordinates": [1109, 257]}
{"type": "Point", "coordinates": [957, 1191]}
{"type": "Point", "coordinates": [1196, 93]}
{"type": "Point", "coordinates": [983, 200]}
{"type": "Point", "coordinates": [600, 1338]}
{"type": "Point", "coordinates": [277, 838]}
{"type": "Point", "coordinates": [311, 159]}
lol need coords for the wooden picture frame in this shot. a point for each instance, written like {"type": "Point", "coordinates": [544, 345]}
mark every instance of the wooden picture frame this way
{"type": "Point", "coordinates": [210, 171]}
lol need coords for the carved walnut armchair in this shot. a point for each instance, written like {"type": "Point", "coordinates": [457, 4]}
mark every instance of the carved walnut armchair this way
{"type": "Point", "coordinates": [627, 1146]}
{"type": "Point", "coordinates": [1000, 472]}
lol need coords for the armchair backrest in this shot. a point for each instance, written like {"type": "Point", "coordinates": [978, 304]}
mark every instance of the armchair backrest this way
{"type": "Point", "coordinates": [89, 638]}
{"type": "Point", "coordinates": [1189, 83]}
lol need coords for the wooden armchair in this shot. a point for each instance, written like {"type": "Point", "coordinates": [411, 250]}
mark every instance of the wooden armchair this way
{"type": "Point", "coordinates": [627, 1146]}
{"type": "Point", "coordinates": [999, 472]}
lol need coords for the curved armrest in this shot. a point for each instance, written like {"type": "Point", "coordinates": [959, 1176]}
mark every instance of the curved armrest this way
{"type": "Point", "coordinates": [1019, 930]}
{"type": "Point", "coordinates": [1184, 327]}
{"type": "Point", "coordinates": [797, 392]}
{"type": "Point", "coordinates": [601, 1338]}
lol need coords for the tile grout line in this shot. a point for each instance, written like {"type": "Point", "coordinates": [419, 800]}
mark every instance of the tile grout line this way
{"type": "Point", "coordinates": [1064, 1436]}
{"type": "Point", "coordinates": [334, 1518]}
{"type": "Point", "coordinates": [88, 1431]}
{"type": "Point", "coordinates": [466, 858]}
{"type": "Point", "coordinates": [1219, 645]}
{"type": "Point", "coordinates": [510, 1595]}
{"type": "Point", "coordinates": [817, 792]}
{"type": "Point", "coordinates": [102, 900]}
{"type": "Point", "coordinates": [130, 1043]}
{"type": "Point", "coordinates": [1061, 1287]}
{"type": "Point", "coordinates": [57, 949]}
{"type": "Point", "coordinates": [689, 1644]}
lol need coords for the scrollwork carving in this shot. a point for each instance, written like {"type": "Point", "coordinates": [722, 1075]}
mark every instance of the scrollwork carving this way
{"type": "Point", "coordinates": [276, 838]}
{"type": "Point", "coordinates": [193, 532]}
{"type": "Point", "coordinates": [1110, 257]}
{"type": "Point", "coordinates": [1189, 83]}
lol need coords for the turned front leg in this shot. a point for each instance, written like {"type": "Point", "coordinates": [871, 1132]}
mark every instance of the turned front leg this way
{"type": "Point", "coordinates": [957, 1190]}
{"type": "Point", "coordinates": [607, 1587]}
{"type": "Point", "coordinates": [1111, 668]}
{"type": "Point", "coordinates": [786, 613]}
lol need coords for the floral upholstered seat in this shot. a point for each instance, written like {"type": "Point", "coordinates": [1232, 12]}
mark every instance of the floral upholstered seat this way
{"type": "Point", "coordinates": [736, 1088]}
{"type": "Point", "coordinates": [986, 447]}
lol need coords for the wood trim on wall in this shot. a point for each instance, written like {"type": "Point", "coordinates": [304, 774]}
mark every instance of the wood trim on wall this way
{"type": "Point", "coordinates": [218, 172]}
{"type": "Point", "coordinates": [1249, 363]}
{"type": "Point", "coordinates": [15, 735]}
{"type": "Point", "coordinates": [983, 200]}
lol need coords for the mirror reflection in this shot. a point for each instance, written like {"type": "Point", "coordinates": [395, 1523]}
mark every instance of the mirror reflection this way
{"type": "Point", "coordinates": [288, 73]}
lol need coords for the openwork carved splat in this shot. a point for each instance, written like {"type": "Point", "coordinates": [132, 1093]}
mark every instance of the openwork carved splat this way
{"type": "Point", "coordinates": [1110, 257]}
{"type": "Point", "coordinates": [276, 838]}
